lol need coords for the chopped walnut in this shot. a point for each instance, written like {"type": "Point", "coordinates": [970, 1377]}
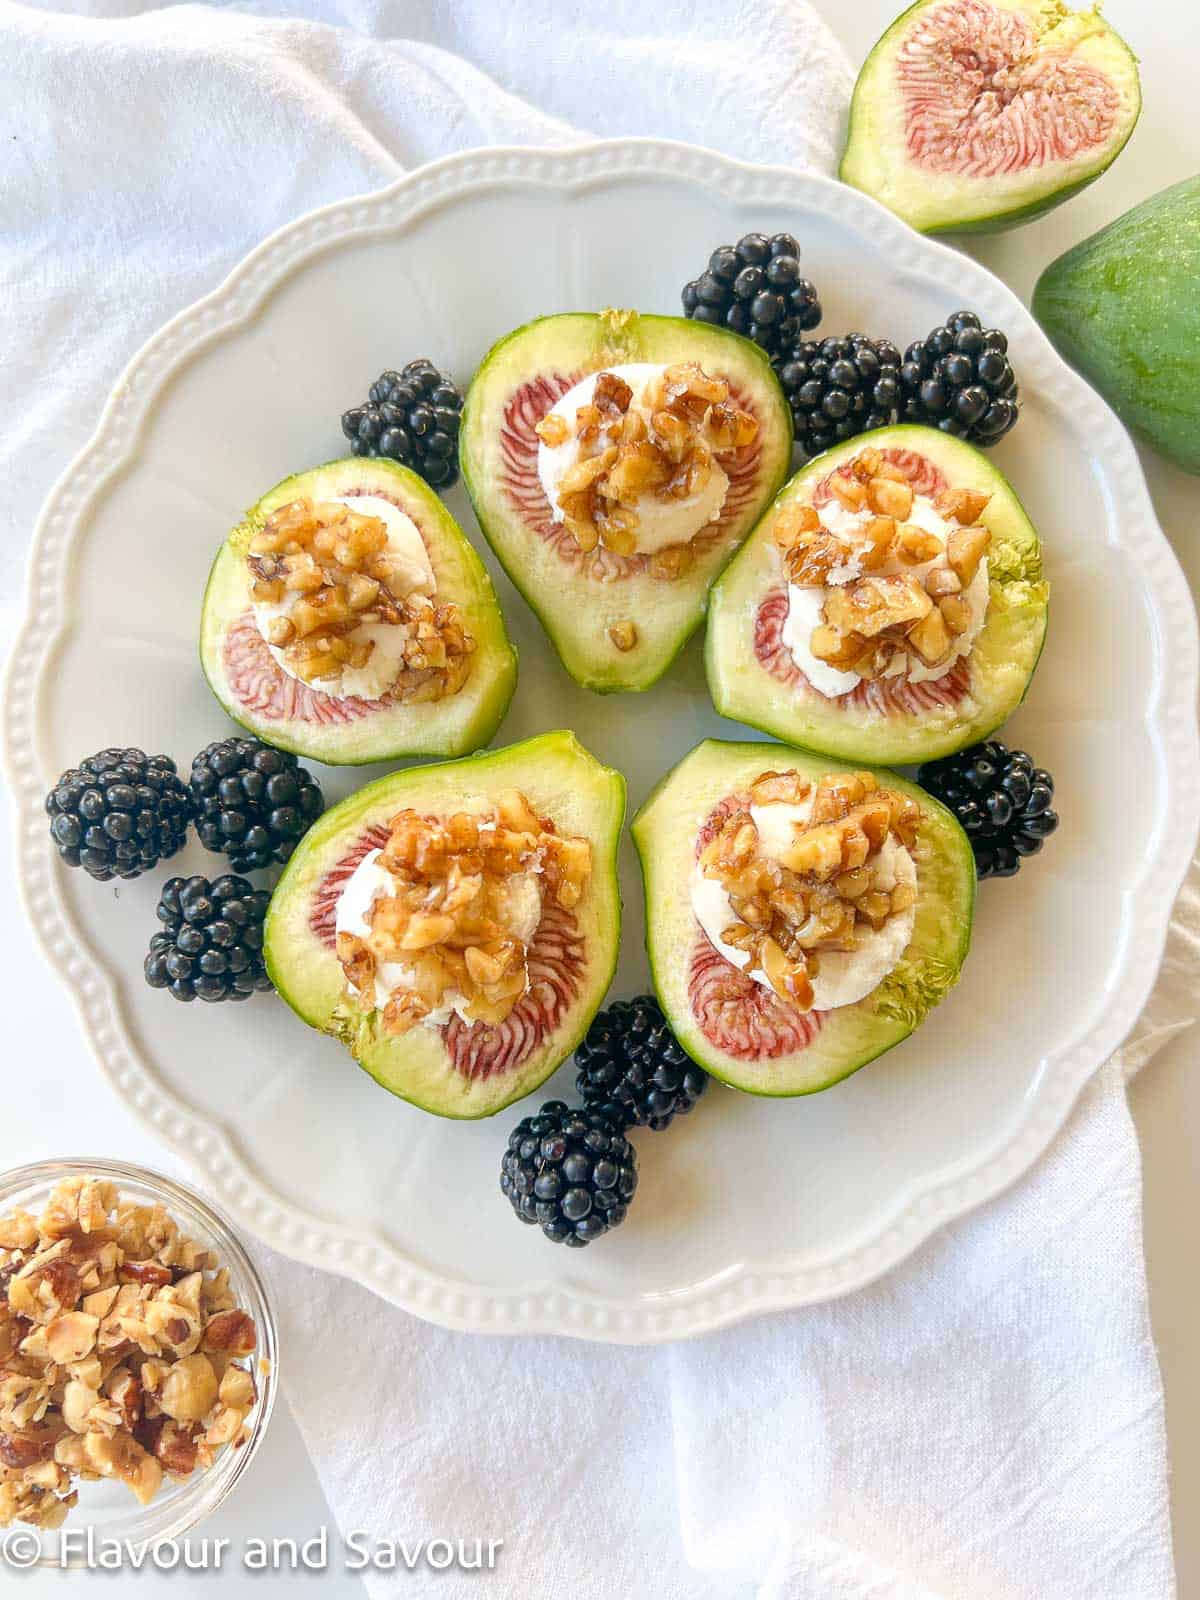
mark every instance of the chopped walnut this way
{"type": "Point", "coordinates": [447, 919]}
{"type": "Point", "coordinates": [663, 444]}
{"type": "Point", "coordinates": [104, 1308]}
{"type": "Point", "coordinates": [878, 619]}
{"type": "Point", "coordinates": [815, 893]}
{"type": "Point", "coordinates": [875, 603]}
{"type": "Point", "coordinates": [961, 505]}
{"type": "Point", "coordinates": [965, 549]}
{"type": "Point", "coordinates": [336, 570]}
{"type": "Point", "coordinates": [624, 634]}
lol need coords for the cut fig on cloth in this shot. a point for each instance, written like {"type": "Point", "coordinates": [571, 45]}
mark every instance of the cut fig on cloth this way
{"type": "Point", "coordinates": [975, 115]}
{"type": "Point", "coordinates": [889, 607]}
{"type": "Point", "coordinates": [801, 918]}
{"type": "Point", "coordinates": [455, 926]}
{"type": "Point", "coordinates": [1123, 307]}
{"type": "Point", "coordinates": [347, 618]}
{"type": "Point", "coordinates": [615, 463]}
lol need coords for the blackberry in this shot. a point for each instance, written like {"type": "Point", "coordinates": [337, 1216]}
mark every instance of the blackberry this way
{"type": "Point", "coordinates": [838, 388]}
{"type": "Point", "coordinates": [119, 813]}
{"type": "Point", "coordinates": [412, 417]}
{"type": "Point", "coordinates": [959, 379]}
{"type": "Point", "coordinates": [210, 944]}
{"type": "Point", "coordinates": [756, 288]}
{"type": "Point", "coordinates": [1001, 799]}
{"type": "Point", "coordinates": [632, 1066]}
{"type": "Point", "coordinates": [571, 1169]}
{"type": "Point", "coordinates": [252, 803]}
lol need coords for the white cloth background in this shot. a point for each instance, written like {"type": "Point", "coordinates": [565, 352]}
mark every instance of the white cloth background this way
{"type": "Point", "coordinates": [985, 1422]}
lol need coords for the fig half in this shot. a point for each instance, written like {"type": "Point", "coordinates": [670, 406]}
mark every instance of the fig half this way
{"type": "Point", "coordinates": [975, 115]}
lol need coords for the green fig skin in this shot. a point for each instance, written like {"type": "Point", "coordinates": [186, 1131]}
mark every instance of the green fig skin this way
{"type": "Point", "coordinates": [1123, 307]}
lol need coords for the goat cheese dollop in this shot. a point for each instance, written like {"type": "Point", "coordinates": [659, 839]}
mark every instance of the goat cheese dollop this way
{"type": "Point", "coordinates": [843, 976]}
{"type": "Point", "coordinates": [521, 908]}
{"type": "Point", "coordinates": [413, 575]}
{"type": "Point", "coordinates": [661, 521]}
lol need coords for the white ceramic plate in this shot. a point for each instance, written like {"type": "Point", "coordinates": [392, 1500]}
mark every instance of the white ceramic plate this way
{"type": "Point", "coordinates": [749, 1204]}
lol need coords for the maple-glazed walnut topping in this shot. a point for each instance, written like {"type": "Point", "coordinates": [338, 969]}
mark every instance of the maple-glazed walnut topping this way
{"type": "Point", "coordinates": [881, 614]}
{"type": "Point", "coordinates": [449, 919]}
{"type": "Point", "coordinates": [660, 445]}
{"type": "Point", "coordinates": [333, 570]}
{"type": "Point", "coordinates": [104, 1312]}
{"type": "Point", "coordinates": [825, 884]}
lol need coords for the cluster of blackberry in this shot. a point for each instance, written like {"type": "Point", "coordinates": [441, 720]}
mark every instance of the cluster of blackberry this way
{"type": "Point", "coordinates": [120, 812]}
{"type": "Point", "coordinates": [571, 1169]}
{"type": "Point", "coordinates": [413, 417]}
{"type": "Point", "coordinates": [958, 378]}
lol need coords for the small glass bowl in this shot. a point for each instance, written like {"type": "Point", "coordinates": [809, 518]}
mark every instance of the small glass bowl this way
{"type": "Point", "coordinates": [107, 1508]}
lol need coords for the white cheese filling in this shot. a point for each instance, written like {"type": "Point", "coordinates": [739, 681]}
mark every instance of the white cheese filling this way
{"type": "Point", "coordinates": [521, 911]}
{"type": "Point", "coordinates": [414, 575]}
{"type": "Point", "coordinates": [844, 976]}
{"type": "Point", "coordinates": [805, 603]}
{"type": "Point", "coordinates": [661, 521]}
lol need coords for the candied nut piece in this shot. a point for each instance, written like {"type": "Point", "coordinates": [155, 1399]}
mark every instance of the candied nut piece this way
{"type": "Point", "coordinates": [788, 787]}
{"type": "Point", "coordinates": [788, 977]}
{"type": "Point", "coordinates": [915, 546]}
{"type": "Point", "coordinates": [875, 603]}
{"type": "Point", "coordinates": [903, 896]}
{"type": "Point", "coordinates": [890, 498]}
{"type": "Point", "coordinates": [813, 557]}
{"type": "Point", "coordinates": [816, 852]}
{"type": "Point", "coordinates": [848, 491]}
{"type": "Point", "coordinates": [553, 430]}
{"type": "Point", "coordinates": [880, 534]}
{"type": "Point", "coordinates": [637, 468]}
{"type": "Point", "coordinates": [940, 581]}
{"type": "Point", "coordinates": [841, 650]}
{"type": "Point", "coordinates": [877, 661]}
{"type": "Point", "coordinates": [961, 505]}
{"type": "Point", "coordinates": [612, 393]}
{"type": "Point", "coordinates": [956, 613]}
{"type": "Point", "coordinates": [965, 549]}
{"type": "Point", "coordinates": [930, 638]}
{"type": "Point", "coordinates": [791, 521]}
{"type": "Point", "coordinates": [586, 471]}
{"type": "Point", "coordinates": [838, 793]}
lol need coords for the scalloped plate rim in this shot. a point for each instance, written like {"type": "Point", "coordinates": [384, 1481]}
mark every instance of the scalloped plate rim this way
{"type": "Point", "coordinates": [741, 1290]}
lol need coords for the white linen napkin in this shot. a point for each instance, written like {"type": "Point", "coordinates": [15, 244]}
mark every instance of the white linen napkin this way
{"type": "Point", "coordinates": [987, 1421]}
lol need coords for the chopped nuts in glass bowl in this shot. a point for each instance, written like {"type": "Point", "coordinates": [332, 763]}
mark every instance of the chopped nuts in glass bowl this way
{"type": "Point", "coordinates": [149, 1427]}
